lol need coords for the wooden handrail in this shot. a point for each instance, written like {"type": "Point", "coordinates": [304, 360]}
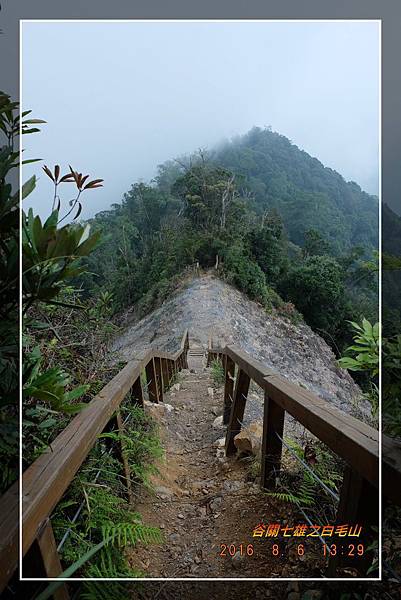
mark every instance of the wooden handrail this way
{"type": "Point", "coordinates": [46, 480]}
{"type": "Point", "coordinates": [356, 442]}
{"type": "Point", "coordinates": [347, 436]}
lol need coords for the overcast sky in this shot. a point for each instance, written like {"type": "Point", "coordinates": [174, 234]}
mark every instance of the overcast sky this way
{"type": "Point", "coordinates": [121, 98]}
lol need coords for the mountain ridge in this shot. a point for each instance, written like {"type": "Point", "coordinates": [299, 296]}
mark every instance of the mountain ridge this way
{"type": "Point", "coordinates": [287, 178]}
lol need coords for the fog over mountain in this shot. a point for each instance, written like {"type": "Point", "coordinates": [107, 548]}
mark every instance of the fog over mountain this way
{"type": "Point", "coordinates": [121, 98]}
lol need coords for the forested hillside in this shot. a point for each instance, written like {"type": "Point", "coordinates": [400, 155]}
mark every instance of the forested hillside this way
{"type": "Point", "coordinates": [274, 221]}
{"type": "Point", "coordinates": [306, 194]}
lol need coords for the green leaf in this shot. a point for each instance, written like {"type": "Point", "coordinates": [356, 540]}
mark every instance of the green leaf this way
{"type": "Point", "coordinates": [70, 409]}
{"type": "Point", "coordinates": [31, 130]}
{"type": "Point", "coordinates": [87, 246]}
{"type": "Point", "coordinates": [33, 121]}
{"type": "Point", "coordinates": [77, 392]}
{"type": "Point", "coordinates": [30, 160]}
{"type": "Point", "coordinates": [28, 186]}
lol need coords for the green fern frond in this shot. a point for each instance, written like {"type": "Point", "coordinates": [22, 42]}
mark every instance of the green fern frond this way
{"type": "Point", "coordinates": [123, 534]}
{"type": "Point", "coordinates": [97, 590]}
{"type": "Point", "coordinates": [284, 497]}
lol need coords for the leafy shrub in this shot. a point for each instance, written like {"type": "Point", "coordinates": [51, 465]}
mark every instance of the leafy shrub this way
{"type": "Point", "coordinates": [364, 353]}
{"type": "Point", "coordinates": [245, 274]}
{"type": "Point", "coordinates": [217, 371]}
{"type": "Point", "coordinates": [363, 356]}
{"type": "Point", "coordinates": [273, 298]}
{"type": "Point", "coordinates": [316, 288]}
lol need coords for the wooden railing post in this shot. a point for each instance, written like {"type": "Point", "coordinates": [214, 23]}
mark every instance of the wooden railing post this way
{"type": "Point", "coordinates": [137, 392]}
{"type": "Point", "coordinates": [273, 424]}
{"type": "Point", "coordinates": [186, 351]}
{"type": "Point", "coordinates": [159, 377]}
{"type": "Point", "coordinates": [209, 351]}
{"type": "Point", "coordinates": [358, 505]}
{"type": "Point", "coordinates": [237, 410]}
{"type": "Point", "coordinates": [229, 368]}
{"type": "Point", "coordinates": [151, 381]}
{"type": "Point", "coordinates": [42, 560]}
{"type": "Point", "coordinates": [170, 364]}
{"type": "Point", "coordinates": [165, 374]}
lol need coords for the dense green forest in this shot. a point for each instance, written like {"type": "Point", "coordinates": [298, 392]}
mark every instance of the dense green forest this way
{"type": "Point", "coordinates": [306, 194]}
{"type": "Point", "coordinates": [274, 221]}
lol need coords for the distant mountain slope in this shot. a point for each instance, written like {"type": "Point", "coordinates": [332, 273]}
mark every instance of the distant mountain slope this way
{"type": "Point", "coordinates": [306, 194]}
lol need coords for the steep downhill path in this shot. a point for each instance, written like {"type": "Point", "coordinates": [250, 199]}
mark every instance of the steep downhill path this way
{"type": "Point", "coordinates": [204, 500]}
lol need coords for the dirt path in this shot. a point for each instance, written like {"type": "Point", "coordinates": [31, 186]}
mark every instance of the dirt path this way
{"type": "Point", "coordinates": [204, 500]}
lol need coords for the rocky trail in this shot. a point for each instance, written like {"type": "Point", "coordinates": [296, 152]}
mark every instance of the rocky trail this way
{"type": "Point", "coordinates": [206, 505]}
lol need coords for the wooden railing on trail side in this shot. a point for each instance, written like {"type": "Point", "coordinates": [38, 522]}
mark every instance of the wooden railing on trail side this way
{"type": "Point", "coordinates": [351, 439]}
{"type": "Point", "coordinates": [46, 480]}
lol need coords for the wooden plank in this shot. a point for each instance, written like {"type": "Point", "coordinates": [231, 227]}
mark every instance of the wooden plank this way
{"type": "Point", "coordinates": [159, 377]}
{"type": "Point", "coordinates": [137, 392]}
{"type": "Point", "coordinates": [124, 460]}
{"type": "Point", "coordinates": [255, 369]}
{"type": "Point", "coordinates": [237, 410]}
{"type": "Point", "coordinates": [9, 534]}
{"type": "Point", "coordinates": [43, 561]}
{"type": "Point", "coordinates": [273, 424]}
{"type": "Point", "coordinates": [351, 439]}
{"type": "Point", "coordinates": [359, 505]}
{"type": "Point", "coordinates": [229, 369]}
{"type": "Point", "coordinates": [151, 381]}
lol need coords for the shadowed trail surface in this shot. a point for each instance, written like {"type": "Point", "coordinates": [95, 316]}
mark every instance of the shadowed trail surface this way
{"type": "Point", "coordinates": [202, 499]}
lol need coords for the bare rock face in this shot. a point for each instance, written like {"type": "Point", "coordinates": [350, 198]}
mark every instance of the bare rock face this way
{"type": "Point", "coordinates": [249, 439]}
{"type": "Point", "coordinates": [209, 305]}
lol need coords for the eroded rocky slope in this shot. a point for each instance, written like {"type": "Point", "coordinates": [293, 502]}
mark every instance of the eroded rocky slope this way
{"type": "Point", "coordinates": [208, 305]}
